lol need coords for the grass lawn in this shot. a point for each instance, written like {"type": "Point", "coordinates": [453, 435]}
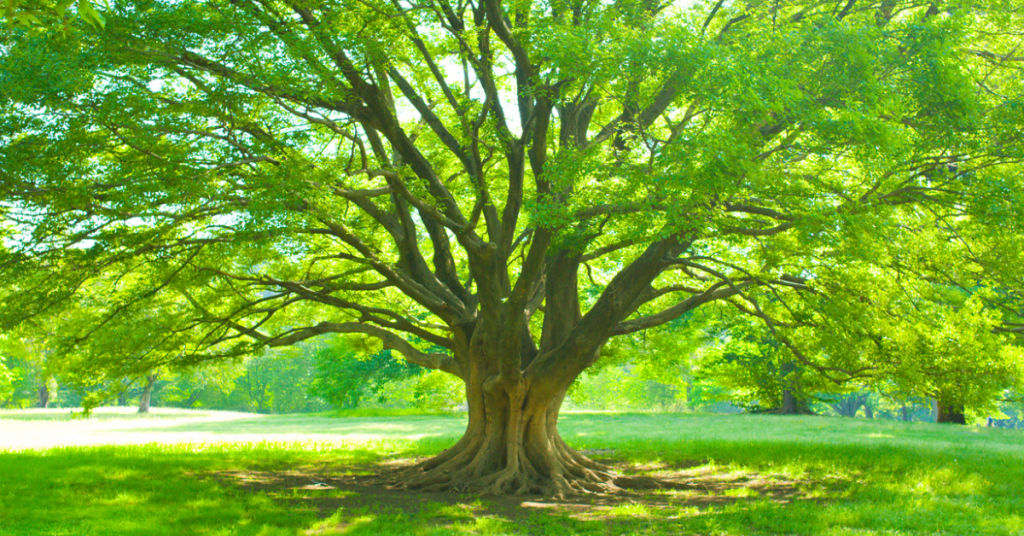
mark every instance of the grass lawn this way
{"type": "Point", "coordinates": [180, 472]}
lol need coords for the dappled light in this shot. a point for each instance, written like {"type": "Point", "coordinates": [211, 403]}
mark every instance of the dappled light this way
{"type": "Point", "coordinates": [697, 473]}
{"type": "Point", "coordinates": [171, 427]}
{"type": "Point", "coordinates": [511, 267]}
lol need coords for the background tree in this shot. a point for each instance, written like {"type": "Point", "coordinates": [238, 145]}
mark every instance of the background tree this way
{"type": "Point", "coordinates": [146, 397]}
{"type": "Point", "coordinates": [518, 183]}
{"type": "Point", "coordinates": [762, 373]}
{"type": "Point", "coordinates": [847, 405]}
{"type": "Point", "coordinates": [7, 379]}
{"type": "Point", "coordinates": [275, 381]}
{"type": "Point", "coordinates": [1011, 411]}
{"type": "Point", "coordinates": [651, 369]}
{"type": "Point", "coordinates": [202, 387]}
{"type": "Point", "coordinates": [31, 380]}
{"type": "Point", "coordinates": [344, 379]}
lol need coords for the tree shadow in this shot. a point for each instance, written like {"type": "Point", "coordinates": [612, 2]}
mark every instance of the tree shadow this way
{"type": "Point", "coordinates": [354, 499]}
{"type": "Point", "coordinates": [145, 490]}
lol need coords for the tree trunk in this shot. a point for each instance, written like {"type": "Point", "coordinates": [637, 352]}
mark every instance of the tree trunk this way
{"type": "Point", "coordinates": [904, 413]}
{"type": "Point", "coordinates": [515, 388]}
{"type": "Point", "coordinates": [789, 403]}
{"type": "Point", "coordinates": [44, 396]}
{"type": "Point", "coordinates": [793, 405]}
{"type": "Point", "coordinates": [848, 405]}
{"type": "Point", "coordinates": [951, 413]}
{"type": "Point", "coordinates": [147, 394]}
{"type": "Point", "coordinates": [868, 412]}
{"type": "Point", "coordinates": [193, 398]}
{"type": "Point", "coordinates": [511, 445]}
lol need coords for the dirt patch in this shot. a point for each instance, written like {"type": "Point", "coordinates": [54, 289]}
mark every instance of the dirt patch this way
{"type": "Point", "coordinates": [654, 487]}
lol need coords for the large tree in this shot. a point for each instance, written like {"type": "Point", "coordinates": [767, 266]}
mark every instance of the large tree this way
{"type": "Point", "coordinates": [497, 188]}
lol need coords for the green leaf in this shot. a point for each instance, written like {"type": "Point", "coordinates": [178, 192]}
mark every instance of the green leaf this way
{"type": "Point", "coordinates": [90, 15]}
{"type": "Point", "coordinates": [62, 8]}
{"type": "Point", "coordinates": [26, 18]}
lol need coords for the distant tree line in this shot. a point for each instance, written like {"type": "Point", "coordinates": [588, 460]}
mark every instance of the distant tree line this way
{"type": "Point", "coordinates": [683, 368]}
{"type": "Point", "coordinates": [304, 378]}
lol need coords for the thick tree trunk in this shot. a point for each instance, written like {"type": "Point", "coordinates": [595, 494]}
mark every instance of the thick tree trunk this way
{"type": "Point", "coordinates": [868, 412]}
{"type": "Point", "coordinates": [147, 394]}
{"type": "Point", "coordinates": [515, 386]}
{"type": "Point", "coordinates": [951, 413]}
{"type": "Point", "coordinates": [789, 403]}
{"type": "Point", "coordinates": [44, 396]}
{"type": "Point", "coordinates": [793, 405]}
{"type": "Point", "coordinates": [511, 446]}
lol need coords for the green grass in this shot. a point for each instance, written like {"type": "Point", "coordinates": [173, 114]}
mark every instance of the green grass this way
{"type": "Point", "coordinates": [402, 427]}
{"type": "Point", "coordinates": [388, 412]}
{"type": "Point", "coordinates": [101, 414]}
{"type": "Point", "coordinates": [746, 475]}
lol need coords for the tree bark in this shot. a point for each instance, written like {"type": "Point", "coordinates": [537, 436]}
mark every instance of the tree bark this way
{"type": "Point", "coordinates": [950, 413]}
{"type": "Point", "coordinates": [788, 403]}
{"type": "Point", "coordinates": [791, 403]}
{"type": "Point", "coordinates": [44, 396]}
{"type": "Point", "coordinates": [147, 394]}
{"type": "Point", "coordinates": [794, 405]}
{"type": "Point", "coordinates": [511, 445]}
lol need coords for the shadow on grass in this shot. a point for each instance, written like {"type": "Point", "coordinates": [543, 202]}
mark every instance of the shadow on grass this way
{"type": "Point", "coordinates": [705, 498]}
{"type": "Point", "coordinates": [766, 477]}
{"type": "Point", "coordinates": [149, 490]}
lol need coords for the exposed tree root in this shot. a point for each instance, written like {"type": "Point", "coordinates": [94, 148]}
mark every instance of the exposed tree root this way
{"type": "Point", "coordinates": [478, 466]}
{"type": "Point", "coordinates": [512, 447]}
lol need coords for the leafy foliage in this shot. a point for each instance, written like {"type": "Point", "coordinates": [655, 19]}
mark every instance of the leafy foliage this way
{"type": "Point", "coordinates": [46, 14]}
{"type": "Point", "coordinates": [499, 190]}
{"type": "Point", "coordinates": [344, 379]}
{"type": "Point", "coordinates": [7, 379]}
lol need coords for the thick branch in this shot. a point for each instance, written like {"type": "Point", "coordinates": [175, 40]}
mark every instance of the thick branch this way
{"type": "Point", "coordinates": [391, 341]}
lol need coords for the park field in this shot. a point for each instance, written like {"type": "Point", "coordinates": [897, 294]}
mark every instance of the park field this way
{"type": "Point", "coordinates": [217, 473]}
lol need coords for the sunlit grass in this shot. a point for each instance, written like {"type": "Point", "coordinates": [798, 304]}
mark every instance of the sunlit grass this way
{"type": "Point", "coordinates": [744, 475]}
{"type": "Point", "coordinates": [108, 414]}
{"type": "Point", "coordinates": [388, 412]}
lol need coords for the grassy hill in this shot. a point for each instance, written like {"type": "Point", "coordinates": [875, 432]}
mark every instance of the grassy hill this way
{"type": "Point", "coordinates": [181, 472]}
